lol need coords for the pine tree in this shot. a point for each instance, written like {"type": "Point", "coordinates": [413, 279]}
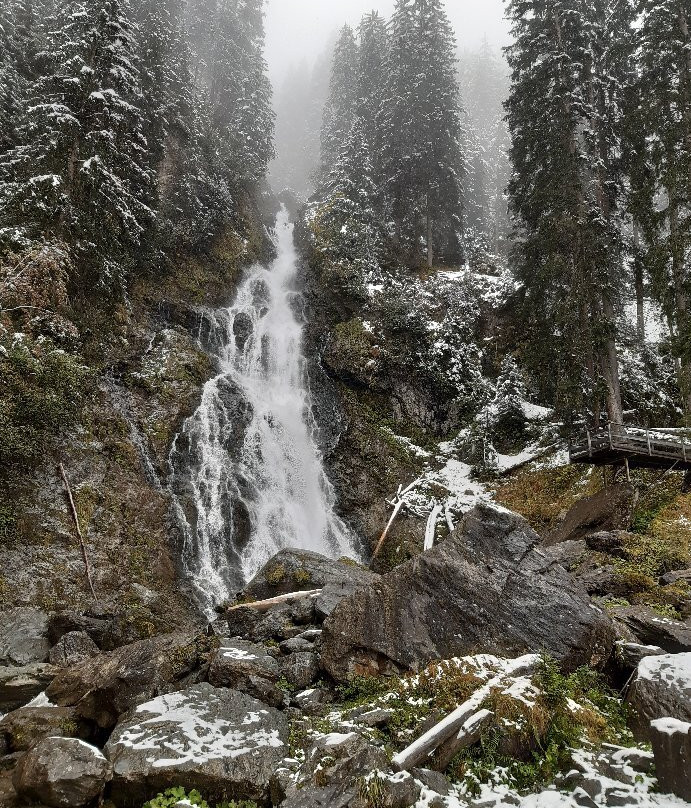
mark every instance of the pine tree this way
{"type": "Point", "coordinates": [373, 46]}
{"type": "Point", "coordinates": [566, 192]}
{"type": "Point", "coordinates": [10, 85]}
{"type": "Point", "coordinates": [422, 130]}
{"type": "Point", "coordinates": [340, 109]}
{"type": "Point", "coordinates": [508, 422]}
{"type": "Point", "coordinates": [664, 90]}
{"type": "Point", "coordinates": [82, 173]}
{"type": "Point", "coordinates": [349, 217]}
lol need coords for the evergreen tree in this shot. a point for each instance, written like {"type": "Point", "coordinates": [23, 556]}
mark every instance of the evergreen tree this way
{"type": "Point", "coordinates": [10, 85]}
{"type": "Point", "coordinates": [422, 130]}
{"type": "Point", "coordinates": [566, 192]}
{"type": "Point", "coordinates": [340, 109]}
{"type": "Point", "coordinates": [664, 192]}
{"type": "Point", "coordinates": [349, 216]}
{"type": "Point", "coordinates": [371, 80]}
{"type": "Point", "coordinates": [81, 172]}
{"type": "Point", "coordinates": [240, 93]}
{"type": "Point", "coordinates": [508, 417]}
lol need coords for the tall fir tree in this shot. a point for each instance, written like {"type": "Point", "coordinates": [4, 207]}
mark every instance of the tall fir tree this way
{"type": "Point", "coordinates": [664, 180]}
{"type": "Point", "coordinates": [566, 193]}
{"type": "Point", "coordinates": [81, 172]}
{"type": "Point", "coordinates": [421, 125]}
{"type": "Point", "coordinates": [371, 80]}
{"type": "Point", "coordinates": [349, 215]}
{"type": "Point", "coordinates": [340, 109]}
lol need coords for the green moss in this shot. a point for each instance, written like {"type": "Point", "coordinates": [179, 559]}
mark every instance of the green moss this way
{"type": "Point", "coordinates": [301, 577]}
{"type": "Point", "coordinates": [276, 575]}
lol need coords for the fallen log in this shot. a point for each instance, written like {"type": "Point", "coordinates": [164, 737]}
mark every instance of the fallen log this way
{"type": "Point", "coordinates": [431, 526]}
{"type": "Point", "coordinates": [265, 605]}
{"type": "Point", "coordinates": [470, 733]}
{"type": "Point", "coordinates": [419, 750]}
{"type": "Point", "coordinates": [397, 507]}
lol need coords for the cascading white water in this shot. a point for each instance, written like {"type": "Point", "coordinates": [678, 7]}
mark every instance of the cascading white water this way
{"type": "Point", "coordinates": [247, 474]}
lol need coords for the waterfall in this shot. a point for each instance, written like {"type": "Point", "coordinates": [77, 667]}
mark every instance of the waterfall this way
{"type": "Point", "coordinates": [246, 473]}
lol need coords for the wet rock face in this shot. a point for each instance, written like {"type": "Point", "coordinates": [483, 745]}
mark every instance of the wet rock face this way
{"type": "Point", "coordinates": [221, 742]}
{"type": "Point", "coordinates": [62, 773]}
{"type": "Point", "coordinates": [23, 636]}
{"type": "Point", "coordinates": [19, 685]}
{"type": "Point", "coordinates": [661, 689]}
{"type": "Point", "coordinates": [488, 587]}
{"type": "Point", "coordinates": [106, 686]}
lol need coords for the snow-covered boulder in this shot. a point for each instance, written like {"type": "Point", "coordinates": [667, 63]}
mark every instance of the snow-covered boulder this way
{"type": "Point", "coordinates": [661, 689]}
{"type": "Point", "coordinates": [219, 741]}
{"type": "Point", "coordinates": [62, 773]}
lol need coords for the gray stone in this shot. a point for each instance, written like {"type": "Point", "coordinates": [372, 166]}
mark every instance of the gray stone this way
{"type": "Point", "coordinates": [108, 685]}
{"type": "Point", "coordinates": [73, 648]}
{"type": "Point", "coordinates": [649, 628]}
{"type": "Point", "coordinates": [246, 666]}
{"type": "Point", "coordinates": [341, 757]}
{"type": "Point", "coordinates": [679, 576]}
{"type": "Point", "coordinates": [661, 689]}
{"type": "Point", "coordinates": [300, 570]}
{"type": "Point", "coordinates": [23, 637]}
{"type": "Point", "coordinates": [62, 773]}
{"type": "Point", "coordinates": [671, 740]}
{"type": "Point", "coordinates": [611, 543]}
{"type": "Point", "coordinates": [23, 728]}
{"type": "Point", "coordinates": [312, 701]}
{"type": "Point", "coordinates": [216, 740]}
{"type": "Point", "coordinates": [487, 588]}
{"type": "Point", "coordinates": [608, 510]}
{"type": "Point", "coordinates": [296, 644]}
{"type": "Point", "coordinates": [334, 796]}
{"type": "Point", "coordinates": [397, 790]}
{"type": "Point", "coordinates": [436, 781]}
{"type": "Point", "coordinates": [629, 654]}
{"type": "Point", "coordinates": [301, 669]}
{"type": "Point", "coordinates": [18, 686]}
{"type": "Point", "coordinates": [372, 718]}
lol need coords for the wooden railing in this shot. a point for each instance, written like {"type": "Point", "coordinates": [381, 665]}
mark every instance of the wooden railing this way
{"type": "Point", "coordinates": [631, 440]}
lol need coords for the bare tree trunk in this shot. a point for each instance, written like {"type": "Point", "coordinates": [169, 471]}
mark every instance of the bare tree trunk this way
{"type": "Point", "coordinates": [681, 300]}
{"type": "Point", "coordinates": [430, 246]}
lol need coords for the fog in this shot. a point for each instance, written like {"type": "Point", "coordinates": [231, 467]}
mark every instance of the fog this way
{"type": "Point", "coordinates": [297, 30]}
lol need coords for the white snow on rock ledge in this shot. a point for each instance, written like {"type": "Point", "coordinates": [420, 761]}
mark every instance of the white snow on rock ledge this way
{"type": "Point", "coordinates": [672, 669]}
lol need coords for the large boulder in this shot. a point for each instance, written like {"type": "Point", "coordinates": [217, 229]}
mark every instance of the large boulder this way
{"type": "Point", "coordinates": [649, 628]}
{"type": "Point", "coordinates": [18, 686]}
{"type": "Point", "coordinates": [671, 740]}
{"type": "Point", "coordinates": [301, 570]}
{"type": "Point", "coordinates": [104, 687]}
{"type": "Point", "coordinates": [24, 728]}
{"type": "Point", "coordinates": [487, 588]}
{"type": "Point", "coordinates": [221, 742]}
{"type": "Point", "coordinates": [248, 667]}
{"type": "Point", "coordinates": [23, 637]}
{"type": "Point", "coordinates": [608, 510]}
{"type": "Point", "coordinates": [661, 689]}
{"type": "Point", "coordinates": [73, 648]}
{"type": "Point", "coordinates": [62, 773]}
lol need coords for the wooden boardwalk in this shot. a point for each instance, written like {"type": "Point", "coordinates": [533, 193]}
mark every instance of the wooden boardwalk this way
{"type": "Point", "coordinates": [640, 448]}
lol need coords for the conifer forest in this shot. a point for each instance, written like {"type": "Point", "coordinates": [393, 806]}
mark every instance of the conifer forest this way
{"type": "Point", "coordinates": [345, 404]}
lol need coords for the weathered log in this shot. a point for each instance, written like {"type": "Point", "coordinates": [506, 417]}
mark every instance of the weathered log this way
{"type": "Point", "coordinates": [470, 733]}
{"type": "Point", "coordinates": [448, 727]}
{"type": "Point", "coordinates": [75, 519]}
{"type": "Point", "coordinates": [431, 527]}
{"type": "Point", "coordinates": [397, 507]}
{"type": "Point", "coordinates": [265, 605]}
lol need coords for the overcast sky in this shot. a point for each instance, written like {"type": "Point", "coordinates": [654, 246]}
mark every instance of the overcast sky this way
{"type": "Point", "coordinates": [297, 29]}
